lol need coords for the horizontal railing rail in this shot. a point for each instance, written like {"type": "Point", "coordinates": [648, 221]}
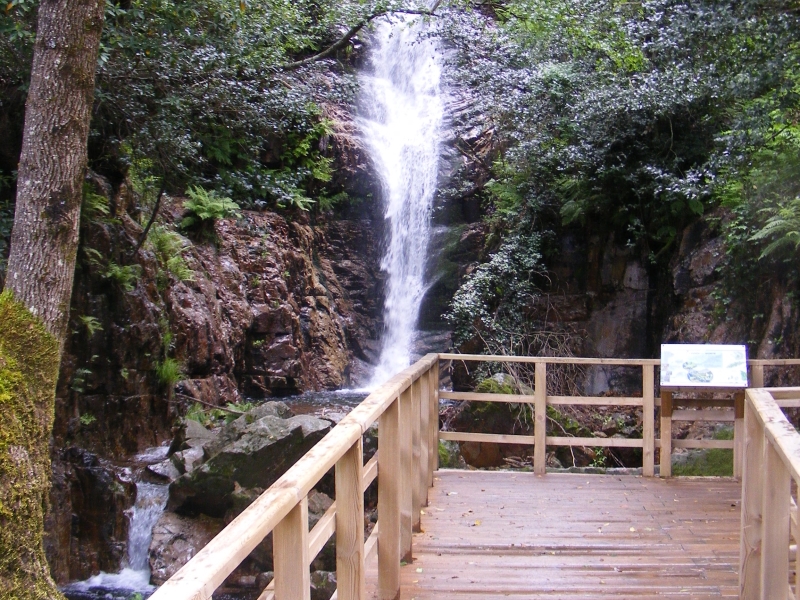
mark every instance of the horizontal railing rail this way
{"type": "Point", "coordinates": [407, 414]}
{"type": "Point", "coordinates": [769, 511]}
{"type": "Point", "coordinates": [670, 409]}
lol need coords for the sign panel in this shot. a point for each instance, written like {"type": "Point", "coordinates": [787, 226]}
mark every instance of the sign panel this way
{"type": "Point", "coordinates": [703, 365]}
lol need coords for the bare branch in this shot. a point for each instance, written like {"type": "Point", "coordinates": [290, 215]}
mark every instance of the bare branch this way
{"type": "Point", "coordinates": [345, 39]}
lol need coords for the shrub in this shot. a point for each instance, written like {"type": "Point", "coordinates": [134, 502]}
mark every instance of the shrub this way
{"type": "Point", "coordinates": [203, 208]}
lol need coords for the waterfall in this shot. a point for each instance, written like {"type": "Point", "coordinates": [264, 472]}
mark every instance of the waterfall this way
{"type": "Point", "coordinates": [402, 111]}
{"type": "Point", "coordinates": [151, 499]}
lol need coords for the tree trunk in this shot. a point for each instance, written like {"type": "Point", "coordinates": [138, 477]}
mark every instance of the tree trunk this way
{"type": "Point", "coordinates": [34, 310]}
{"type": "Point", "coordinates": [44, 241]}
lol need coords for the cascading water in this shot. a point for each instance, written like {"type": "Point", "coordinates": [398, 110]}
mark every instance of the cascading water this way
{"type": "Point", "coordinates": [151, 498]}
{"type": "Point", "coordinates": [402, 111]}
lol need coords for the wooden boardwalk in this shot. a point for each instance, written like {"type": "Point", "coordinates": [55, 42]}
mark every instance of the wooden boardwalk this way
{"type": "Point", "coordinates": [501, 534]}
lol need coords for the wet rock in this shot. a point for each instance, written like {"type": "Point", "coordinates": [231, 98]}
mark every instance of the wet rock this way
{"type": "Point", "coordinates": [176, 539]}
{"type": "Point", "coordinates": [87, 525]}
{"type": "Point", "coordinates": [250, 452]}
{"type": "Point", "coordinates": [165, 470]}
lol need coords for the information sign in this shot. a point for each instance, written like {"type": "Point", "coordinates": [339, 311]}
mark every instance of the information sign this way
{"type": "Point", "coordinates": [703, 365]}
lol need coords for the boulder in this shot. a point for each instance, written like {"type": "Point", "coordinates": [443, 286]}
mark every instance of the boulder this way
{"type": "Point", "coordinates": [249, 453]}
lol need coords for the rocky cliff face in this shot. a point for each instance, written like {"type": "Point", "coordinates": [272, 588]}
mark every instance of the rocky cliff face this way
{"type": "Point", "coordinates": [275, 306]}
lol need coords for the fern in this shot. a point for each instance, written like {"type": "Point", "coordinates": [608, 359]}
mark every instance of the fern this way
{"type": "Point", "coordinates": [783, 226]}
{"type": "Point", "coordinates": [125, 275]}
{"type": "Point", "coordinates": [204, 207]}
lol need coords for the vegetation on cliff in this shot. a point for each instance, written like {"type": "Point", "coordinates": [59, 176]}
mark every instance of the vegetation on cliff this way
{"type": "Point", "coordinates": [630, 119]}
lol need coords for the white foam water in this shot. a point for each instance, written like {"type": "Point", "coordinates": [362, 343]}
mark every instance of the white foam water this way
{"type": "Point", "coordinates": [401, 116]}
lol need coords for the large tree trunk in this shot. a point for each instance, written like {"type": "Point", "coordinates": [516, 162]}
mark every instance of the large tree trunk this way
{"type": "Point", "coordinates": [52, 165]}
{"type": "Point", "coordinates": [34, 310]}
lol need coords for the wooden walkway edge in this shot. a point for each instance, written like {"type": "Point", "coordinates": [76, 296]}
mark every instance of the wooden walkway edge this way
{"type": "Point", "coordinates": [502, 534]}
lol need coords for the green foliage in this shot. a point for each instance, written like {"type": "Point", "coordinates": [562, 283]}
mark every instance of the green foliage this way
{"type": "Point", "coordinates": [783, 226]}
{"type": "Point", "coordinates": [204, 207]}
{"type": "Point", "coordinates": [126, 276]}
{"type": "Point", "coordinates": [168, 247]}
{"type": "Point", "coordinates": [92, 324]}
{"type": "Point", "coordinates": [87, 419]}
{"type": "Point", "coordinates": [94, 206]}
{"type": "Point", "coordinates": [169, 372]}
{"type": "Point", "coordinates": [714, 462]}
{"type": "Point", "coordinates": [79, 380]}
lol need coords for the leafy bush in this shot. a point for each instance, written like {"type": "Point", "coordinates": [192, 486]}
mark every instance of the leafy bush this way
{"type": "Point", "coordinates": [203, 208]}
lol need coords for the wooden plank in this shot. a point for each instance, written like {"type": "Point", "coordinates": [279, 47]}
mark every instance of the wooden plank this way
{"type": "Point", "coordinates": [416, 491]}
{"type": "Point", "coordinates": [424, 439]}
{"type": "Point", "coordinates": [707, 415]}
{"type": "Point", "coordinates": [738, 435]}
{"type": "Point", "coordinates": [777, 429]}
{"type": "Point", "coordinates": [370, 472]}
{"type": "Point", "coordinates": [517, 535]}
{"type": "Point", "coordinates": [784, 393]}
{"type": "Point", "coordinates": [756, 374]}
{"type": "Point", "coordinates": [648, 421]}
{"type": "Point", "coordinates": [776, 526]}
{"type": "Point", "coordinates": [290, 555]}
{"type": "Point", "coordinates": [434, 423]}
{"type": "Point", "coordinates": [772, 362]}
{"type": "Point", "coordinates": [389, 503]}
{"type": "Point", "coordinates": [666, 433]}
{"type": "Point", "coordinates": [723, 444]}
{"type": "Point", "coordinates": [494, 438]}
{"type": "Point", "coordinates": [594, 401]}
{"type": "Point", "coordinates": [485, 397]}
{"type": "Point", "coordinates": [371, 545]}
{"type": "Point", "coordinates": [322, 532]}
{"type": "Point", "coordinates": [594, 442]}
{"type": "Point", "coordinates": [752, 506]}
{"type": "Point", "coordinates": [553, 360]}
{"type": "Point", "coordinates": [540, 419]}
{"type": "Point", "coordinates": [406, 495]}
{"type": "Point", "coordinates": [349, 526]}
{"type": "Point", "coordinates": [788, 403]}
{"type": "Point", "coordinates": [699, 402]}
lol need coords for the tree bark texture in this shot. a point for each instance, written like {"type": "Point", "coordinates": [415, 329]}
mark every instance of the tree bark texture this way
{"type": "Point", "coordinates": [34, 310]}
{"type": "Point", "coordinates": [44, 240]}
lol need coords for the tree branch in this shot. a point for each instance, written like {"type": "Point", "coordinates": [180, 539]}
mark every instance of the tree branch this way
{"type": "Point", "coordinates": [345, 39]}
{"type": "Point", "coordinates": [143, 237]}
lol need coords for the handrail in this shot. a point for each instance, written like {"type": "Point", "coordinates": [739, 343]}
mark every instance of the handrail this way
{"type": "Point", "coordinates": [667, 406]}
{"type": "Point", "coordinates": [769, 513]}
{"type": "Point", "coordinates": [406, 407]}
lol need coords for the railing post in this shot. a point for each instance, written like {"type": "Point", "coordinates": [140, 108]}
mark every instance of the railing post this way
{"type": "Point", "coordinates": [433, 424]}
{"type": "Point", "coordinates": [752, 505]}
{"type": "Point", "coordinates": [424, 439]}
{"type": "Point", "coordinates": [349, 525]}
{"type": "Point", "coordinates": [757, 376]}
{"type": "Point", "coordinates": [648, 421]}
{"type": "Point", "coordinates": [406, 485]}
{"type": "Point", "coordinates": [540, 419]}
{"type": "Point", "coordinates": [389, 481]}
{"type": "Point", "coordinates": [416, 493]}
{"type": "Point", "coordinates": [666, 434]}
{"type": "Point", "coordinates": [290, 555]}
{"type": "Point", "coordinates": [738, 433]}
{"type": "Point", "coordinates": [776, 525]}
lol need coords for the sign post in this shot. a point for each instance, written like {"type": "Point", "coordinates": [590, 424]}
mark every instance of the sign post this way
{"type": "Point", "coordinates": [701, 367]}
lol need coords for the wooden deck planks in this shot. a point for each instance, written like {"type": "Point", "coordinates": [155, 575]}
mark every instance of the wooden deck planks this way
{"type": "Point", "coordinates": [509, 534]}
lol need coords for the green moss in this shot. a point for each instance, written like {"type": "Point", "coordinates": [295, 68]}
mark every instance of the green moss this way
{"type": "Point", "coordinates": [29, 360]}
{"type": "Point", "coordinates": [492, 386]}
{"type": "Point", "coordinates": [714, 462]}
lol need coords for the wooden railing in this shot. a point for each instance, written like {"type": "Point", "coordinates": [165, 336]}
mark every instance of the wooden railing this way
{"type": "Point", "coordinates": [769, 510]}
{"type": "Point", "coordinates": [730, 410]}
{"type": "Point", "coordinates": [407, 414]}
{"type": "Point", "coordinates": [407, 411]}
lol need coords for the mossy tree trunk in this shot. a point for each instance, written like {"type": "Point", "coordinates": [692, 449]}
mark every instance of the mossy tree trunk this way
{"type": "Point", "coordinates": [34, 309]}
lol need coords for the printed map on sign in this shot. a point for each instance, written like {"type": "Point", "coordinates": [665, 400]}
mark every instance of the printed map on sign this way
{"type": "Point", "coordinates": [703, 365]}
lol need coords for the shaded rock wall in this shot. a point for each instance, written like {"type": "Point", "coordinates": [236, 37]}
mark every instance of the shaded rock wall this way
{"type": "Point", "coordinates": [275, 307]}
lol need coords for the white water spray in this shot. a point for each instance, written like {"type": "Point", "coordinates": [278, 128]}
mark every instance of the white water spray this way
{"type": "Point", "coordinates": [402, 114]}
